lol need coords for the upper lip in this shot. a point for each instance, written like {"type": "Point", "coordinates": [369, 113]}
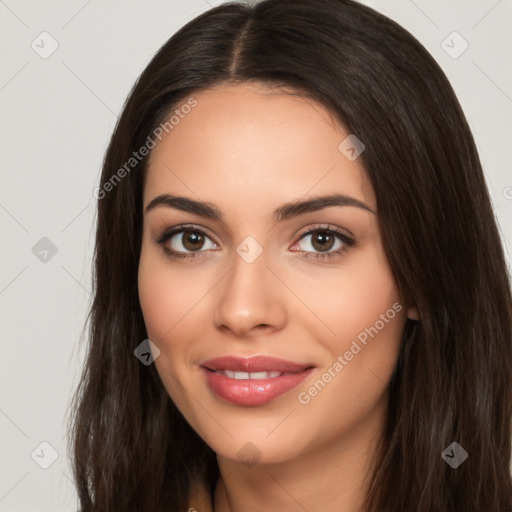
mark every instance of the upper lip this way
{"type": "Point", "coordinates": [254, 364]}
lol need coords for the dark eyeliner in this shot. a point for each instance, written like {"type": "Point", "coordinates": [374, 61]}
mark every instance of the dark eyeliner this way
{"type": "Point", "coordinates": [348, 241]}
{"type": "Point", "coordinates": [167, 234]}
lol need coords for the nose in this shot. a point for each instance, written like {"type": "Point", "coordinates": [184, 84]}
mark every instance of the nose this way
{"type": "Point", "coordinates": [251, 299]}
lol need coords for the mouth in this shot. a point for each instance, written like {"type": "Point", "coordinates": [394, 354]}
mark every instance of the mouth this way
{"type": "Point", "coordinates": [254, 380]}
{"type": "Point", "coordinates": [251, 375]}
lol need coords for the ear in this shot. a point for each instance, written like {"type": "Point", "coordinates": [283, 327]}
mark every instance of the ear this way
{"type": "Point", "coordinates": [412, 313]}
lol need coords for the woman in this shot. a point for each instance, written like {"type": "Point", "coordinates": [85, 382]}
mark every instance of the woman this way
{"type": "Point", "coordinates": [301, 298]}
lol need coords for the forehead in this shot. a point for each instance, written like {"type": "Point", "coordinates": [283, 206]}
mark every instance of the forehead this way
{"type": "Point", "coordinates": [249, 140]}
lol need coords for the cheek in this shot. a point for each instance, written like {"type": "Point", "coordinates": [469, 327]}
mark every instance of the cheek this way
{"type": "Point", "coordinates": [161, 304]}
{"type": "Point", "coordinates": [172, 307]}
{"type": "Point", "coordinates": [164, 296]}
{"type": "Point", "coordinates": [354, 298]}
{"type": "Point", "coordinates": [165, 301]}
{"type": "Point", "coordinates": [155, 296]}
{"type": "Point", "coordinates": [367, 318]}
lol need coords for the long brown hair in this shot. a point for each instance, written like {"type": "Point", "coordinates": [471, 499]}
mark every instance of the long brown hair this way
{"type": "Point", "coordinates": [132, 449]}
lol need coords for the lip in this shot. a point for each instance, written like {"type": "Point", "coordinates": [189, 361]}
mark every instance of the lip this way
{"type": "Point", "coordinates": [254, 364]}
{"type": "Point", "coordinates": [253, 392]}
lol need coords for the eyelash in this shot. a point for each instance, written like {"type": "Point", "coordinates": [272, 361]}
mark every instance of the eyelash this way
{"type": "Point", "coordinates": [166, 235]}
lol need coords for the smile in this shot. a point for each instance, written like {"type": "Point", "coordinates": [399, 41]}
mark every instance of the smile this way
{"type": "Point", "coordinates": [252, 376]}
{"type": "Point", "coordinates": [252, 381]}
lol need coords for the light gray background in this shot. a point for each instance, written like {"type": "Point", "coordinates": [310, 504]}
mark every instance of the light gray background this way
{"type": "Point", "coordinates": [57, 116]}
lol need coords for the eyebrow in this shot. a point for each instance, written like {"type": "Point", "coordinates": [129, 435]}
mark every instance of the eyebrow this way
{"type": "Point", "coordinates": [284, 212]}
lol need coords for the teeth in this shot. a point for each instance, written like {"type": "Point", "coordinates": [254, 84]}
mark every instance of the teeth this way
{"type": "Point", "coordinates": [245, 375]}
{"type": "Point", "coordinates": [264, 375]}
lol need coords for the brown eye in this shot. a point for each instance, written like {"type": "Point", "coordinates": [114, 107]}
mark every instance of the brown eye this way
{"type": "Point", "coordinates": [192, 240]}
{"type": "Point", "coordinates": [323, 243]}
{"type": "Point", "coordinates": [185, 242]}
{"type": "Point", "coordinates": [322, 240]}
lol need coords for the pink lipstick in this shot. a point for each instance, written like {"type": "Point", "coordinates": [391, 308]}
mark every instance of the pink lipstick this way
{"type": "Point", "coordinates": [253, 380]}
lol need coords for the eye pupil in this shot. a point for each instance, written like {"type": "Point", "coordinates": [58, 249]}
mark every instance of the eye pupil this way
{"type": "Point", "coordinates": [321, 238]}
{"type": "Point", "coordinates": [195, 239]}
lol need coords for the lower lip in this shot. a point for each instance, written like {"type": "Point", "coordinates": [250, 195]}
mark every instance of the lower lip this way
{"type": "Point", "coordinates": [252, 392]}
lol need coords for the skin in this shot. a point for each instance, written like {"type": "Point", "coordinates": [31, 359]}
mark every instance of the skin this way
{"type": "Point", "coordinates": [248, 150]}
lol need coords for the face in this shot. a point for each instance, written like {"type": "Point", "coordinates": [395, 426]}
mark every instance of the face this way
{"type": "Point", "coordinates": [298, 302]}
